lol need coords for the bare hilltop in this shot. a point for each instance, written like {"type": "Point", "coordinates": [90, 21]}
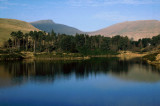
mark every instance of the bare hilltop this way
{"type": "Point", "coordinates": [132, 29]}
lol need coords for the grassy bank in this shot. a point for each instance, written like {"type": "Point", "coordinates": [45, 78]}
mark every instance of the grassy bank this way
{"type": "Point", "coordinates": [153, 58]}
{"type": "Point", "coordinates": [6, 55]}
{"type": "Point", "coordinates": [60, 56]}
{"type": "Point", "coordinates": [11, 56]}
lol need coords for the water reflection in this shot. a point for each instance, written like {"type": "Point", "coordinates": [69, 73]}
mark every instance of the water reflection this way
{"type": "Point", "coordinates": [19, 72]}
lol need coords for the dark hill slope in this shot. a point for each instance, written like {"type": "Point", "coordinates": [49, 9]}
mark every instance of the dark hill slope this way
{"type": "Point", "coordinates": [48, 25]}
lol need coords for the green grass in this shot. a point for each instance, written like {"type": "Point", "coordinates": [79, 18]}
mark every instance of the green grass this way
{"type": "Point", "coordinates": [57, 55]}
{"type": "Point", "coordinates": [82, 53]}
{"type": "Point", "coordinates": [97, 52]}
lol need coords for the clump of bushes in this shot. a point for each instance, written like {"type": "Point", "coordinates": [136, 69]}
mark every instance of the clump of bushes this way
{"type": "Point", "coordinates": [151, 57]}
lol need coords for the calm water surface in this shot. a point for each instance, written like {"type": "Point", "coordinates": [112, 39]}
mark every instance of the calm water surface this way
{"type": "Point", "coordinates": [98, 81]}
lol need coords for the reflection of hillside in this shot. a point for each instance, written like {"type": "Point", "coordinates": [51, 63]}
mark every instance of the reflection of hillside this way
{"type": "Point", "coordinates": [140, 72]}
{"type": "Point", "coordinates": [6, 79]}
{"type": "Point", "coordinates": [19, 72]}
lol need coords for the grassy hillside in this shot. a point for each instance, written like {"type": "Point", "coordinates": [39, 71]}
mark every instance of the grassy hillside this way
{"type": "Point", "coordinates": [132, 29]}
{"type": "Point", "coordinates": [9, 25]}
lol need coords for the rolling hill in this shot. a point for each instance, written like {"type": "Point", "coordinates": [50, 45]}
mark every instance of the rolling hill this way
{"type": "Point", "coordinates": [132, 29]}
{"type": "Point", "coordinates": [9, 25]}
{"type": "Point", "coordinates": [48, 25]}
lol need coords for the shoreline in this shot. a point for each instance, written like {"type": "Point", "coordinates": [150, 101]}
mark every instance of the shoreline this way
{"type": "Point", "coordinates": [153, 58]}
{"type": "Point", "coordinates": [66, 56]}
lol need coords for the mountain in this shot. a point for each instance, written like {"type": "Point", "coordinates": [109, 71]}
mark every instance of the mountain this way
{"type": "Point", "coordinates": [48, 25]}
{"type": "Point", "coordinates": [132, 29]}
{"type": "Point", "coordinates": [9, 25]}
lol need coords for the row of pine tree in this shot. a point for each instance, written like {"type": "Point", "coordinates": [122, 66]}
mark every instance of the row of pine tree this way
{"type": "Point", "coordinates": [39, 41]}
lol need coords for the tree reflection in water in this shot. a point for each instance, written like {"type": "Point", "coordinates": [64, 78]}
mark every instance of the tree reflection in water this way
{"type": "Point", "coordinates": [48, 71]}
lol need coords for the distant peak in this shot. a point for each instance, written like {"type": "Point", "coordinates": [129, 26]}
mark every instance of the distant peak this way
{"type": "Point", "coordinates": [49, 21]}
{"type": "Point", "coordinates": [44, 21]}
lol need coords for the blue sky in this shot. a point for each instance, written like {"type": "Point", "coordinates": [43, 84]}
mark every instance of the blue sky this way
{"type": "Point", "coordinates": [86, 15]}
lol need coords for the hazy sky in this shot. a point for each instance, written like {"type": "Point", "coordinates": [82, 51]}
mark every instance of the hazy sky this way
{"type": "Point", "coordinates": [86, 15]}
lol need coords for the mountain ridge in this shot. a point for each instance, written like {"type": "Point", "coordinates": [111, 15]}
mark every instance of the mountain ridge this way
{"type": "Point", "coordinates": [43, 21]}
{"type": "Point", "coordinates": [49, 25]}
{"type": "Point", "coordinates": [133, 29]}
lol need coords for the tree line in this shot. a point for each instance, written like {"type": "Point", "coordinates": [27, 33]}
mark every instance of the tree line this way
{"type": "Point", "coordinates": [39, 41]}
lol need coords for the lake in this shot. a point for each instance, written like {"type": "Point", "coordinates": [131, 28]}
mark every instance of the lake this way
{"type": "Point", "coordinates": [97, 81]}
